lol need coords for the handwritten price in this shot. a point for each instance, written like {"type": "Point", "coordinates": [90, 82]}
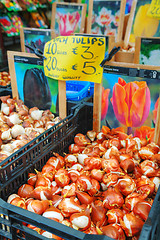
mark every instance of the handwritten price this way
{"type": "Point", "coordinates": [74, 58]}
{"type": "Point", "coordinates": [154, 9]}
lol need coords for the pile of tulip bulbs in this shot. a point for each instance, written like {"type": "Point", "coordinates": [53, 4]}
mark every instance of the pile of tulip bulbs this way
{"type": "Point", "coordinates": [104, 185]}
{"type": "Point", "coordinates": [19, 124]}
{"type": "Point", "coordinates": [5, 79]}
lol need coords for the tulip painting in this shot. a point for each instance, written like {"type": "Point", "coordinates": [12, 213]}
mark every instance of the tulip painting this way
{"type": "Point", "coordinates": [131, 102]}
{"type": "Point", "coordinates": [145, 132]}
{"type": "Point", "coordinates": [105, 94]}
{"type": "Point", "coordinates": [155, 110]}
{"type": "Point", "coordinates": [143, 25]}
{"type": "Point", "coordinates": [68, 22]}
{"type": "Point", "coordinates": [105, 17]}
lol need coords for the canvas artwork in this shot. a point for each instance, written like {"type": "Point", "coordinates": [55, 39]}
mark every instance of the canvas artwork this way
{"type": "Point", "coordinates": [144, 26]}
{"type": "Point", "coordinates": [34, 88]}
{"type": "Point", "coordinates": [68, 19]}
{"type": "Point", "coordinates": [39, 37]}
{"type": "Point", "coordinates": [130, 98]}
{"type": "Point", "coordinates": [105, 17]}
{"type": "Point", "coordinates": [150, 51]}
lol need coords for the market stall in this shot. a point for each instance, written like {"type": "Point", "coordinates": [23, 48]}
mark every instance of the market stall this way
{"type": "Point", "coordinates": [80, 127]}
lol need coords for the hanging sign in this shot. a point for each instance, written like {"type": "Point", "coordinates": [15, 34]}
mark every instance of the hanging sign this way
{"type": "Point", "coordinates": [154, 9]}
{"type": "Point", "coordinates": [74, 58]}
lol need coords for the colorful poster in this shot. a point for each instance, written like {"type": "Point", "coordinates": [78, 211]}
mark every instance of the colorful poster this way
{"type": "Point", "coordinates": [8, 26]}
{"type": "Point", "coordinates": [105, 17]}
{"type": "Point", "coordinates": [144, 26]}
{"type": "Point", "coordinates": [67, 19]}
{"type": "Point", "coordinates": [38, 20]}
{"type": "Point", "coordinates": [11, 5]}
{"type": "Point", "coordinates": [129, 97]}
{"type": "Point", "coordinates": [150, 51]}
{"type": "Point", "coordinates": [38, 37]}
{"type": "Point", "coordinates": [34, 88]}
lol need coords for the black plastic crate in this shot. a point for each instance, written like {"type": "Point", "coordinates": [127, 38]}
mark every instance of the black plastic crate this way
{"type": "Point", "coordinates": [151, 228]}
{"type": "Point", "coordinates": [71, 104]}
{"type": "Point", "coordinates": [56, 139]}
{"type": "Point", "coordinates": [12, 218]}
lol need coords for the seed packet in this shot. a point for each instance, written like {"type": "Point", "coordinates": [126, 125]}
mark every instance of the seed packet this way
{"type": "Point", "coordinates": [38, 20]}
{"type": "Point", "coordinates": [7, 26]}
{"type": "Point", "coordinates": [11, 5]}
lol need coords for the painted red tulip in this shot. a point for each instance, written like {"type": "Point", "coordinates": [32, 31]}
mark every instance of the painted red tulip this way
{"type": "Point", "coordinates": [155, 110]}
{"type": "Point", "coordinates": [145, 132]}
{"type": "Point", "coordinates": [105, 94]}
{"type": "Point", "coordinates": [68, 23]}
{"type": "Point", "coordinates": [131, 102]}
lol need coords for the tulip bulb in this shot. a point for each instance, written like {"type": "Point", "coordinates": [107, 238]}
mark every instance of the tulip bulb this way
{"type": "Point", "coordinates": [80, 221]}
{"type": "Point", "coordinates": [17, 130]}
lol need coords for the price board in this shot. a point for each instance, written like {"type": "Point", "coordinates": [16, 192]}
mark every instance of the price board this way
{"type": "Point", "coordinates": [154, 10]}
{"type": "Point", "coordinates": [74, 58]}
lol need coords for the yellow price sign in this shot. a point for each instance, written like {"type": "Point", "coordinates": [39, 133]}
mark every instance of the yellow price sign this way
{"type": "Point", "coordinates": [154, 9]}
{"type": "Point", "coordinates": [74, 58]}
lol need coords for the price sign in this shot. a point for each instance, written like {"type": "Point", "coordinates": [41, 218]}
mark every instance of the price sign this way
{"type": "Point", "coordinates": [74, 58]}
{"type": "Point", "coordinates": [154, 10]}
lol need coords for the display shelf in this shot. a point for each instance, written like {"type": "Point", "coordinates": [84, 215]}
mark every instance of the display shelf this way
{"type": "Point", "coordinates": [9, 41]}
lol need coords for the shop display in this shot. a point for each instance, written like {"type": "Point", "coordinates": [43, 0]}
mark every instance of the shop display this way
{"type": "Point", "coordinates": [8, 26]}
{"type": "Point", "coordinates": [91, 169]}
{"type": "Point", "coordinates": [5, 79]}
{"type": "Point", "coordinates": [16, 21]}
{"type": "Point", "coordinates": [11, 5]}
{"type": "Point", "coordinates": [11, 24]}
{"type": "Point", "coordinates": [29, 5]}
{"type": "Point", "coordinates": [19, 124]}
{"type": "Point", "coordinates": [105, 185]}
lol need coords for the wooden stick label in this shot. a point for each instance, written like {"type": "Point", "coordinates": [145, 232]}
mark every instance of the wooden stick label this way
{"type": "Point", "coordinates": [74, 58]}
